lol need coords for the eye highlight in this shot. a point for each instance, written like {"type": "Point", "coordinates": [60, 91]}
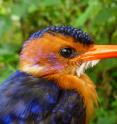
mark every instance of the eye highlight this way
{"type": "Point", "coordinates": [67, 52]}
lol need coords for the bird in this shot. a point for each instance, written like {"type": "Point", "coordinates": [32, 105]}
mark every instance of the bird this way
{"type": "Point", "coordinates": [50, 85]}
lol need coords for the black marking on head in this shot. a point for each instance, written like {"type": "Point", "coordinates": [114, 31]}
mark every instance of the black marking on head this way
{"type": "Point", "coordinates": [76, 33]}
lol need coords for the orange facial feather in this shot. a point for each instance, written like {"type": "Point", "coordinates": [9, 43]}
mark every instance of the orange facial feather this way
{"type": "Point", "coordinates": [44, 51]}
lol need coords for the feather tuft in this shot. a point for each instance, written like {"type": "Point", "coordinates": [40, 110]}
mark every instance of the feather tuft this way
{"type": "Point", "coordinates": [84, 66]}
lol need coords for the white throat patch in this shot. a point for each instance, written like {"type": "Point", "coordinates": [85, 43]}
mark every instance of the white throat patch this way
{"type": "Point", "coordinates": [80, 70]}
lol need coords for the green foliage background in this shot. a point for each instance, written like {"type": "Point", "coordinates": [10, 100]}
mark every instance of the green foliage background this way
{"type": "Point", "coordinates": [19, 18]}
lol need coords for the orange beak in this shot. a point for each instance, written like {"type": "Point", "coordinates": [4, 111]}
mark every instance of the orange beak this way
{"type": "Point", "coordinates": [100, 52]}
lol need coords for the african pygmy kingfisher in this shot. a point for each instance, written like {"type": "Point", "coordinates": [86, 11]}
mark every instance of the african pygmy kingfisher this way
{"type": "Point", "coordinates": [50, 86]}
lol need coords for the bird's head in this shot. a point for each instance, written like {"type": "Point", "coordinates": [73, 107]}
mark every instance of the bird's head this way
{"type": "Point", "coordinates": [62, 49]}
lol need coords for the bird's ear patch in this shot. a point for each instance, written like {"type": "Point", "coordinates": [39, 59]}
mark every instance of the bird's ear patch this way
{"type": "Point", "coordinates": [80, 70]}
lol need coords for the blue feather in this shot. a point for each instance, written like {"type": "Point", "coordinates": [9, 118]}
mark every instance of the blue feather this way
{"type": "Point", "coordinates": [76, 33]}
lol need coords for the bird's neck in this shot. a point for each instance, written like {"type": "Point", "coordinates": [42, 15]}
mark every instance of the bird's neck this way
{"type": "Point", "coordinates": [82, 85]}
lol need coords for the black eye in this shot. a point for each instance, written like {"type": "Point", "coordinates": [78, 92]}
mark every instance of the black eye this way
{"type": "Point", "coordinates": [67, 52]}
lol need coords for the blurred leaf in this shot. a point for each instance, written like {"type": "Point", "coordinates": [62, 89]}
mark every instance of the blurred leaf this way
{"type": "Point", "coordinates": [50, 2]}
{"type": "Point", "coordinates": [105, 14]}
{"type": "Point", "coordinates": [110, 119]}
{"type": "Point", "coordinates": [19, 9]}
{"type": "Point", "coordinates": [5, 24]}
{"type": "Point", "coordinates": [93, 7]}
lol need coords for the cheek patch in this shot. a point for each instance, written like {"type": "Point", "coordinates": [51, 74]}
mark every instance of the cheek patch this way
{"type": "Point", "coordinates": [55, 62]}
